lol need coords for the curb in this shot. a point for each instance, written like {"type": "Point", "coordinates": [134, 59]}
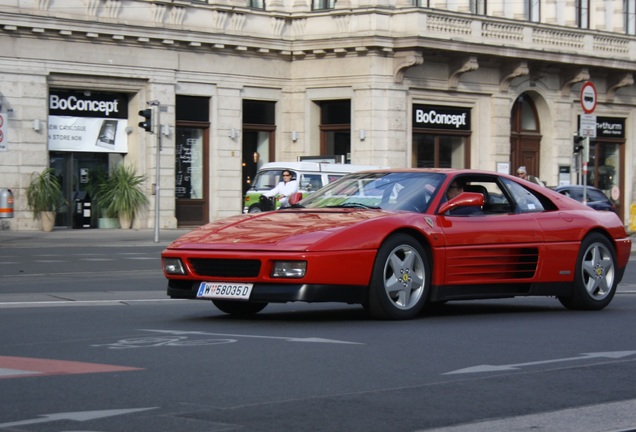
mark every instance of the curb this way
{"type": "Point", "coordinates": [87, 237]}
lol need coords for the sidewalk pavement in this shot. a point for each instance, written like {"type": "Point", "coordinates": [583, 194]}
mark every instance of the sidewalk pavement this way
{"type": "Point", "coordinates": [84, 237]}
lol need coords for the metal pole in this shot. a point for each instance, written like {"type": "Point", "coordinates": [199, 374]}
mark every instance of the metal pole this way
{"type": "Point", "coordinates": [157, 131]}
{"type": "Point", "coordinates": [586, 157]}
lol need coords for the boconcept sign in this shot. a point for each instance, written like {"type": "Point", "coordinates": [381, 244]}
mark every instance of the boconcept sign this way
{"type": "Point", "coordinates": [88, 104]}
{"type": "Point", "coordinates": [87, 121]}
{"type": "Point", "coordinates": [441, 117]}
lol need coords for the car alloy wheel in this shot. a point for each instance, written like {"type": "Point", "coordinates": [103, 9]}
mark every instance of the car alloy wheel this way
{"type": "Point", "coordinates": [595, 277]}
{"type": "Point", "coordinates": [400, 279]}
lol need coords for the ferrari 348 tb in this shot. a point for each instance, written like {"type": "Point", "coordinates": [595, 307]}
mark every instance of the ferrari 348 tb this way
{"type": "Point", "coordinates": [395, 240]}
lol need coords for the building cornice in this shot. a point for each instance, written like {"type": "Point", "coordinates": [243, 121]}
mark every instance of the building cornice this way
{"type": "Point", "coordinates": [201, 27]}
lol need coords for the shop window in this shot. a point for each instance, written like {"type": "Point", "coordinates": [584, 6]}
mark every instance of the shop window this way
{"type": "Point", "coordinates": [80, 175]}
{"type": "Point", "coordinates": [193, 108]}
{"type": "Point", "coordinates": [441, 136]}
{"type": "Point", "coordinates": [335, 128]}
{"type": "Point", "coordinates": [259, 125]}
{"type": "Point", "coordinates": [189, 164]}
{"type": "Point", "coordinates": [439, 151]}
{"type": "Point", "coordinates": [258, 112]}
{"type": "Point", "coordinates": [603, 166]}
{"type": "Point", "coordinates": [191, 154]}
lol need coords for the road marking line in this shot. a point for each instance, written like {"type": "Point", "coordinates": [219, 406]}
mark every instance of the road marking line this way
{"type": "Point", "coordinates": [286, 338]}
{"type": "Point", "coordinates": [612, 355]}
{"type": "Point", "coordinates": [74, 416]}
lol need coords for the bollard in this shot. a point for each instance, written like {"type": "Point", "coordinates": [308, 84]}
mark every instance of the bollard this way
{"type": "Point", "coordinates": [6, 203]}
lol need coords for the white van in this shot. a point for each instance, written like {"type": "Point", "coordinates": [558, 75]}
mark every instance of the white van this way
{"type": "Point", "coordinates": [311, 176]}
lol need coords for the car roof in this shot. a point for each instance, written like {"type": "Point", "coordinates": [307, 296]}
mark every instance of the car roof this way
{"type": "Point", "coordinates": [452, 172]}
{"type": "Point", "coordinates": [318, 167]}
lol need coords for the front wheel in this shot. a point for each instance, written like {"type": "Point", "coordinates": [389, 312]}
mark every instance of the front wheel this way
{"type": "Point", "coordinates": [233, 307]}
{"type": "Point", "coordinates": [595, 277]}
{"type": "Point", "coordinates": [400, 279]}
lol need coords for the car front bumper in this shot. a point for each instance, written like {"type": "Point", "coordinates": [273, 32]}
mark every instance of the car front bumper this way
{"type": "Point", "coordinates": [281, 293]}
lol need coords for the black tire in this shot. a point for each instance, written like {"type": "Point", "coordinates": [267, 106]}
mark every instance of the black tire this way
{"type": "Point", "coordinates": [595, 278]}
{"type": "Point", "coordinates": [233, 307]}
{"type": "Point", "coordinates": [255, 209]}
{"type": "Point", "coordinates": [400, 279]}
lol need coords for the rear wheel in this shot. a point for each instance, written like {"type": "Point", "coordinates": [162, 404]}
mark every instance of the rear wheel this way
{"type": "Point", "coordinates": [595, 277]}
{"type": "Point", "coordinates": [239, 308]}
{"type": "Point", "coordinates": [400, 279]}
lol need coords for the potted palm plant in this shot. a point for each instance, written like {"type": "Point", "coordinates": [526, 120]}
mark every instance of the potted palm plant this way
{"type": "Point", "coordinates": [44, 197]}
{"type": "Point", "coordinates": [121, 195]}
{"type": "Point", "coordinates": [95, 181]}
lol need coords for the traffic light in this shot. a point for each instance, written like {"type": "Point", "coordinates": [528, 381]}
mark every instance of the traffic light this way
{"type": "Point", "coordinates": [146, 124]}
{"type": "Point", "coordinates": [578, 143]}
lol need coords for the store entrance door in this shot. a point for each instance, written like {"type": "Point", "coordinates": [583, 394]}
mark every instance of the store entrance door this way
{"type": "Point", "coordinates": [79, 173]}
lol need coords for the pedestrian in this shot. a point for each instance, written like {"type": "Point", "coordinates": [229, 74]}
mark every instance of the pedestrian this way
{"type": "Point", "coordinates": [522, 173]}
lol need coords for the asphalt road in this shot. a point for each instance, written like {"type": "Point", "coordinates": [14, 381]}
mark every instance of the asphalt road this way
{"type": "Point", "coordinates": [88, 341]}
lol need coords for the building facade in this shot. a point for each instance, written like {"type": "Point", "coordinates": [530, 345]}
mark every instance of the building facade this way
{"type": "Point", "coordinates": [234, 83]}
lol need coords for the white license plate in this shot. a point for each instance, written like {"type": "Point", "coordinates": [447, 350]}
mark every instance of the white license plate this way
{"type": "Point", "coordinates": [225, 290]}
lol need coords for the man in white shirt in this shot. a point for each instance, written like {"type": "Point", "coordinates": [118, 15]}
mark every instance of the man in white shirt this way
{"type": "Point", "coordinates": [284, 189]}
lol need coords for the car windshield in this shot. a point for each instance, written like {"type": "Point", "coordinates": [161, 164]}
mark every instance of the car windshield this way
{"type": "Point", "coordinates": [411, 191]}
{"type": "Point", "coordinates": [266, 180]}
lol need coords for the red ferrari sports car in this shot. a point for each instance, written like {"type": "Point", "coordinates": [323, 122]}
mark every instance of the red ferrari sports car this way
{"type": "Point", "coordinates": [395, 240]}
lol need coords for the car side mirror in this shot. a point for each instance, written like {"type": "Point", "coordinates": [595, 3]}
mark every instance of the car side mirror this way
{"type": "Point", "coordinates": [464, 199]}
{"type": "Point", "coordinates": [295, 198]}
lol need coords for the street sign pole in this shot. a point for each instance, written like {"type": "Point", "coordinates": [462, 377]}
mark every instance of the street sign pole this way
{"type": "Point", "coordinates": [156, 106]}
{"type": "Point", "coordinates": [589, 98]}
{"type": "Point", "coordinates": [586, 156]}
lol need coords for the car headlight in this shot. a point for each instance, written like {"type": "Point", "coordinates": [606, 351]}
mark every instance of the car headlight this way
{"type": "Point", "coordinates": [173, 266]}
{"type": "Point", "coordinates": [289, 269]}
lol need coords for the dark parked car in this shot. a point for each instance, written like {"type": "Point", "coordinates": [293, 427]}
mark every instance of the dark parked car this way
{"type": "Point", "coordinates": [595, 197]}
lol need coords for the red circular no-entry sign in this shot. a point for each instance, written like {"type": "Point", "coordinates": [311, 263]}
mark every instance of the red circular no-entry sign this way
{"type": "Point", "coordinates": [588, 97]}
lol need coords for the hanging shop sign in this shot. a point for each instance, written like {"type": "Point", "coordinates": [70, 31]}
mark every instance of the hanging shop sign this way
{"type": "Point", "coordinates": [441, 117]}
{"type": "Point", "coordinates": [83, 121]}
{"type": "Point", "coordinates": [608, 127]}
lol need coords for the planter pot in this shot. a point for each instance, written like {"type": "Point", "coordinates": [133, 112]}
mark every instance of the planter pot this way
{"type": "Point", "coordinates": [107, 223]}
{"type": "Point", "coordinates": [125, 222]}
{"type": "Point", "coordinates": [48, 220]}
